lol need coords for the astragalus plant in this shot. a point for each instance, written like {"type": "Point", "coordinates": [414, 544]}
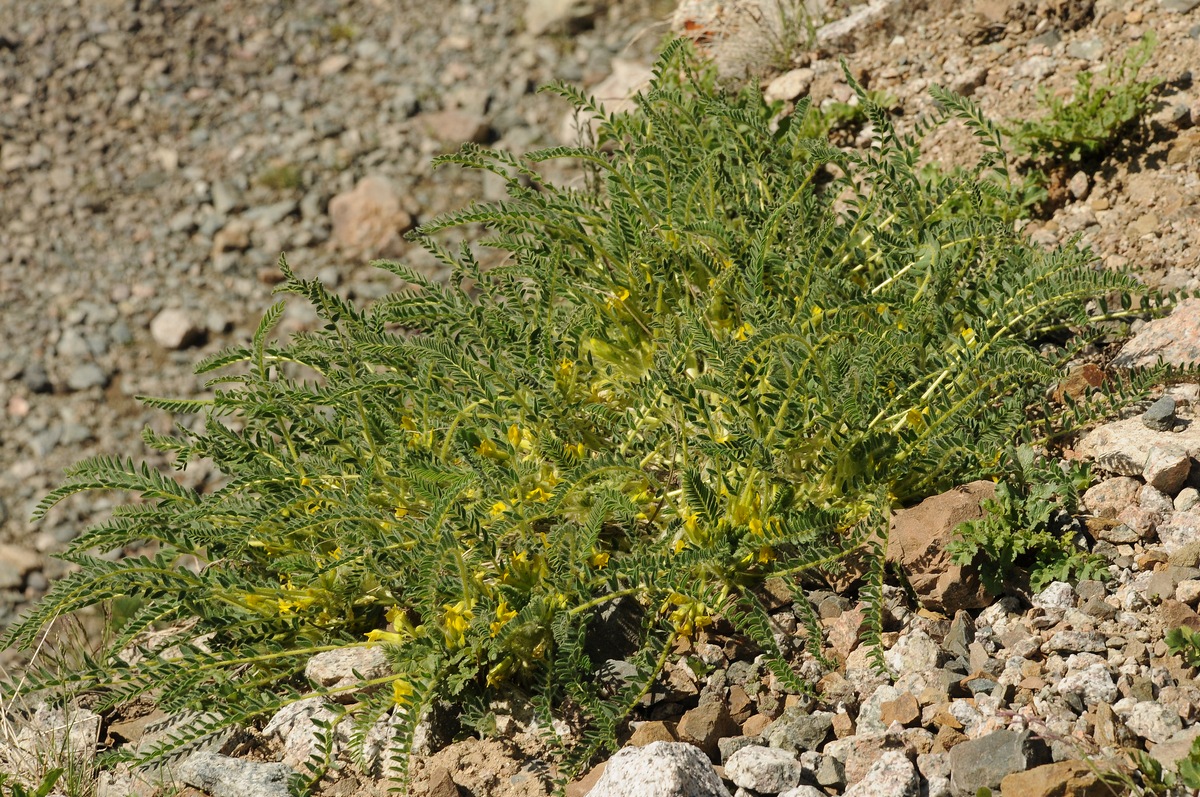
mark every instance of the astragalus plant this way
{"type": "Point", "coordinates": [725, 356]}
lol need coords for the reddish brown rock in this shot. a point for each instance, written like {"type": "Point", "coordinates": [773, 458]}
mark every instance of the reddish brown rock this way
{"type": "Point", "coordinates": [369, 220]}
{"type": "Point", "coordinates": [1079, 381]}
{"type": "Point", "coordinates": [649, 732]}
{"type": "Point", "coordinates": [581, 787]}
{"type": "Point", "coordinates": [740, 705]}
{"type": "Point", "coordinates": [704, 725]}
{"type": "Point", "coordinates": [755, 725]}
{"type": "Point", "coordinates": [918, 542]}
{"type": "Point", "coordinates": [903, 710]}
{"type": "Point", "coordinates": [1064, 779]}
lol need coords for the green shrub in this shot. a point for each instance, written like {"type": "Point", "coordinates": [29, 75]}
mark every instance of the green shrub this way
{"type": "Point", "coordinates": [1027, 526]}
{"type": "Point", "coordinates": [726, 358]}
{"type": "Point", "coordinates": [1093, 120]}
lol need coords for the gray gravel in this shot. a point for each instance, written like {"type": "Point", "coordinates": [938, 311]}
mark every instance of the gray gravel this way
{"type": "Point", "coordinates": [156, 158]}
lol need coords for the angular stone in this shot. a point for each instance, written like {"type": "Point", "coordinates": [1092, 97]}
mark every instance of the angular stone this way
{"type": "Point", "coordinates": [918, 541]}
{"type": "Point", "coordinates": [1180, 532]}
{"type": "Point", "coordinates": [1175, 338]}
{"type": "Point", "coordinates": [660, 769]}
{"type": "Point", "coordinates": [1166, 468]}
{"type": "Point", "coordinates": [369, 220]}
{"type": "Point", "coordinates": [704, 725]}
{"type": "Point", "coordinates": [335, 669]}
{"type": "Point", "coordinates": [904, 710]}
{"type": "Point", "coordinates": [984, 762]}
{"type": "Point", "coordinates": [1092, 684]}
{"type": "Point", "coordinates": [798, 730]}
{"type": "Point", "coordinates": [1160, 416]}
{"type": "Point", "coordinates": [222, 776]}
{"type": "Point", "coordinates": [1153, 721]}
{"type": "Point", "coordinates": [1064, 779]}
{"type": "Point", "coordinates": [1109, 497]}
{"type": "Point", "coordinates": [892, 774]}
{"type": "Point", "coordinates": [764, 769]}
{"type": "Point", "coordinates": [648, 732]}
{"type": "Point", "coordinates": [1123, 447]}
{"type": "Point", "coordinates": [1079, 380]}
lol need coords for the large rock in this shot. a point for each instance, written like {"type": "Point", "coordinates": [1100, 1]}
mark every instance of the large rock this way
{"type": "Point", "coordinates": [369, 220]}
{"type": "Point", "coordinates": [892, 775]}
{"type": "Point", "coordinates": [222, 776]}
{"type": "Point", "coordinates": [660, 769]}
{"type": "Point", "coordinates": [1176, 339]}
{"type": "Point", "coordinates": [704, 725]}
{"type": "Point", "coordinates": [337, 669]}
{"type": "Point", "coordinates": [1123, 447]}
{"type": "Point", "coordinates": [984, 762]}
{"type": "Point", "coordinates": [764, 769]}
{"type": "Point", "coordinates": [918, 541]}
{"type": "Point", "coordinates": [797, 730]}
{"type": "Point", "coordinates": [1064, 779]}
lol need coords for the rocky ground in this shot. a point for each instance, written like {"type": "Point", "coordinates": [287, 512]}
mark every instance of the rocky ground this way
{"type": "Point", "coordinates": [155, 159]}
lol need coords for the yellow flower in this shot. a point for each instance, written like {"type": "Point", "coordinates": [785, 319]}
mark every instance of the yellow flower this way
{"type": "Point", "coordinates": [679, 546]}
{"type": "Point", "coordinates": [817, 314]}
{"type": "Point", "coordinates": [618, 298]}
{"type": "Point", "coordinates": [400, 511]}
{"type": "Point", "coordinates": [599, 560]}
{"type": "Point", "coordinates": [743, 331]}
{"type": "Point", "coordinates": [388, 637]}
{"type": "Point", "coordinates": [486, 448]}
{"type": "Point", "coordinates": [402, 692]}
{"type": "Point", "coordinates": [576, 448]}
{"type": "Point", "coordinates": [968, 336]}
{"type": "Point", "coordinates": [756, 526]}
{"type": "Point", "coordinates": [503, 615]}
{"type": "Point", "coordinates": [537, 494]}
{"type": "Point", "coordinates": [514, 435]}
{"type": "Point", "coordinates": [565, 367]}
{"type": "Point", "coordinates": [393, 614]}
{"type": "Point", "coordinates": [499, 508]}
{"type": "Point", "coordinates": [457, 620]}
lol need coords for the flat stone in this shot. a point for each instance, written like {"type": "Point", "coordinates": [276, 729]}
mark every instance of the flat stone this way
{"type": "Point", "coordinates": [222, 776]}
{"type": "Point", "coordinates": [764, 769]}
{"type": "Point", "coordinates": [904, 710]}
{"type": "Point", "coordinates": [1153, 721]}
{"type": "Point", "coordinates": [335, 669]}
{"type": "Point", "coordinates": [1123, 447]}
{"type": "Point", "coordinates": [892, 774]}
{"type": "Point", "coordinates": [1063, 779]}
{"type": "Point", "coordinates": [1175, 338]}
